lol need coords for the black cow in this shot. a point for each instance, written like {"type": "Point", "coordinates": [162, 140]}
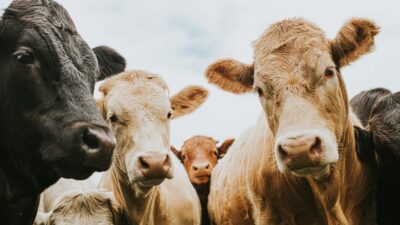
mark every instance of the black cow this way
{"type": "Point", "coordinates": [49, 123]}
{"type": "Point", "coordinates": [379, 111]}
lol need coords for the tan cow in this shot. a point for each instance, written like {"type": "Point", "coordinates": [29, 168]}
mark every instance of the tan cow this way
{"type": "Point", "coordinates": [147, 179]}
{"type": "Point", "coordinates": [71, 202]}
{"type": "Point", "coordinates": [199, 155]}
{"type": "Point", "coordinates": [297, 164]}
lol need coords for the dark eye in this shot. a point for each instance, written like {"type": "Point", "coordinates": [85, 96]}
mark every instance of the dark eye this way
{"type": "Point", "coordinates": [169, 115]}
{"type": "Point", "coordinates": [24, 57]}
{"type": "Point", "coordinates": [113, 118]}
{"type": "Point", "coordinates": [329, 72]}
{"type": "Point", "coordinates": [260, 91]}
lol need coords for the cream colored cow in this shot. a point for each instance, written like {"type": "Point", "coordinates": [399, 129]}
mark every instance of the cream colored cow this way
{"type": "Point", "coordinates": [147, 179]}
{"type": "Point", "coordinates": [72, 202]}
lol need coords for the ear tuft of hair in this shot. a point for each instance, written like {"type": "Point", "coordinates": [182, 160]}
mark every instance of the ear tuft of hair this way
{"type": "Point", "coordinates": [356, 38]}
{"type": "Point", "coordinates": [231, 75]}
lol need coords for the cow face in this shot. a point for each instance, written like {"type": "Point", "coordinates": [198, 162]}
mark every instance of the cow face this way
{"type": "Point", "coordinates": [199, 156]}
{"type": "Point", "coordinates": [385, 127]}
{"type": "Point", "coordinates": [296, 73]}
{"type": "Point", "coordinates": [47, 77]}
{"type": "Point", "coordinates": [137, 106]}
{"type": "Point", "coordinates": [91, 208]}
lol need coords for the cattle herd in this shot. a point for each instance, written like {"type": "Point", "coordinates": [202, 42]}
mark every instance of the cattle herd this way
{"type": "Point", "coordinates": [312, 158]}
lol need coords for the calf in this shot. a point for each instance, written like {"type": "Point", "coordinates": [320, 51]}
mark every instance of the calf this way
{"type": "Point", "coordinates": [148, 181]}
{"type": "Point", "coordinates": [381, 135]}
{"type": "Point", "coordinates": [199, 156]}
{"type": "Point", "coordinates": [70, 202]}
{"type": "Point", "coordinates": [298, 163]}
{"type": "Point", "coordinates": [49, 124]}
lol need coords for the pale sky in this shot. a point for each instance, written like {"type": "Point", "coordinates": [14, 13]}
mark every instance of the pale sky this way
{"type": "Point", "coordinates": [179, 38]}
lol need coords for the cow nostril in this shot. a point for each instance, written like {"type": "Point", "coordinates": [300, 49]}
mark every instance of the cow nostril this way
{"type": "Point", "coordinates": [195, 168]}
{"type": "Point", "coordinates": [316, 147]}
{"type": "Point", "coordinates": [207, 166]}
{"type": "Point", "coordinates": [143, 162]}
{"type": "Point", "coordinates": [284, 155]}
{"type": "Point", "coordinates": [90, 139]}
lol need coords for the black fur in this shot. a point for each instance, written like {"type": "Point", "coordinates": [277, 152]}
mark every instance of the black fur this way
{"type": "Point", "coordinates": [40, 101]}
{"type": "Point", "coordinates": [382, 134]}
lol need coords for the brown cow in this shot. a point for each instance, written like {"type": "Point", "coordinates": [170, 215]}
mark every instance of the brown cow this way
{"type": "Point", "coordinates": [199, 155]}
{"type": "Point", "coordinates": [147, 180]}
{"type": "Point", "coordinates": [298, 164]}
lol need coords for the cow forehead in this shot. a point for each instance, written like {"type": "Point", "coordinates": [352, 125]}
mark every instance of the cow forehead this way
{"type": "Point", "coordinates": [291, 46]}
{"type": "Point", "coordinates": [41, 12]}
{"type": "Point", "coordinates": [198, 145]}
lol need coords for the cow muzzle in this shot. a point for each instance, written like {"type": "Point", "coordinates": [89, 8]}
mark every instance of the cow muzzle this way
{"type": "Point", "coordinates": [96, 143]}
{"type": "Point", "coordinates": [305, 156]}
{"type": "Point", "coordinates": [153, 168]}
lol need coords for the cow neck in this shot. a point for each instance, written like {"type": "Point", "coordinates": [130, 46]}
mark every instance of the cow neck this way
{"type": "Point", "coordinates": [138, 206]}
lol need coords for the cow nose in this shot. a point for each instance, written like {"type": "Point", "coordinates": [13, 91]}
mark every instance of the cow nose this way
{"type": "Point", "coordinates": [204, 166]}
{"type": "Point", "coordinates": [155, 165]}
{"type": "Point", "coordinates": [300, 152]}
{"type": "Point", "coordinates": [98, 144]}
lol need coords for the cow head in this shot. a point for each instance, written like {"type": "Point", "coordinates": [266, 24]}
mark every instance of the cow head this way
{"type": "Point", "coordinates": [91, 208]}
{"type": "Point", "coordinates": [385, 127]}
{"type": "Point", "coordinates": [296, 73]}
{"type": "Point", "coordinates": [49, 122]}
{"type": "Point", "coordinates": [137, 106]}
{"type": "Point", "coordinates": [200, 155]}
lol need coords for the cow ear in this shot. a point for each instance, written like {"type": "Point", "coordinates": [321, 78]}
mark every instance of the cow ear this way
{"type": "Point", "coordinates": [231, 75]}
{"type": "Point", "coordinates": [187, 100]}
{"type": "Point", "coordinates": [41, 218]}
{"type": "Point", "coordinates": [176, 152]}
{"type": "Point", "coordinates": [355, 38]}
{"type": "Point", "coordinates": [110, 62]}
{"type": "Point", "coordinates": [364, 144]}
{"type": "Point", "coordinates": [223, 148]}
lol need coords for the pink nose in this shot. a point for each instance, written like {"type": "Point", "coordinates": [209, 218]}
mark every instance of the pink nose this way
{"type": "Point", "coordinates": [301, 152]}
{"type": "Point", "coordinates": [155, 165]}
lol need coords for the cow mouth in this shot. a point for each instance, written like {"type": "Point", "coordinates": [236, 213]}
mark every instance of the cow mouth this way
{"type": "Point", "coordinates": [316, 171]}
{"type": "Point", "coordinates": [203, 178]}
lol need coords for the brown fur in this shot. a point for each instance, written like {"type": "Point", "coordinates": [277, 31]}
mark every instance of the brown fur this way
{"type": "Point", "coordinates": [199, 151]}
{"type": "Point", "coordinates": [183, 102]}
{"type": "Point", "coordinates": [290, 62]}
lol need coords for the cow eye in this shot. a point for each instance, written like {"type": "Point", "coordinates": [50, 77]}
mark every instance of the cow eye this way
{"type": "Point", "coordinates": [113, 118]}
{"type": "Point", "coordinates": [329, 72]}
{"type": "Point", "coordinates": [260, 91]}
{"type": "Point", "coordinates": [24, 56]}
{"type": "Point", "coordinates": [169, 115]}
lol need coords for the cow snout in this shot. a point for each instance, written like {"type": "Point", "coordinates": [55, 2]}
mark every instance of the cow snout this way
{"type": "Point", "coordinates": [97, 144]}
{"type": "Point", "coordinates": [301, 152]}
{"type": "Point", "coordinates": [201, 167]}
{"type": "Point", "coordinates": [155, 166]}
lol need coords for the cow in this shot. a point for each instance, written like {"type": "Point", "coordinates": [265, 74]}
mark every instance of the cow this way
{"type": "Point", "coordinates": [78, 202]}
{"type": "Point", "coordinates": [298, 163]}
{"type": "Point", "coordinates": [199, 155]}
{"type": "Point", "coordinates": [49, 124]}
{"type": "Point", "coordinates": [379, 110]}
{"type": "Point", "coordinates": [147, 179]}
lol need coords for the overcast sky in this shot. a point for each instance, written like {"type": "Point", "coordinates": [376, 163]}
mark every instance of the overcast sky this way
{"type": "Point", "coordinates": [179, 38]}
